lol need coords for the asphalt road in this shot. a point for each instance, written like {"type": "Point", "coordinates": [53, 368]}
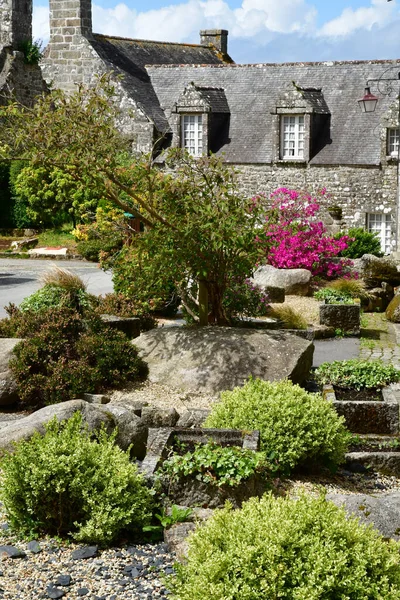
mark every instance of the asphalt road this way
{"type": "Point", "coordinates": [19, 278]}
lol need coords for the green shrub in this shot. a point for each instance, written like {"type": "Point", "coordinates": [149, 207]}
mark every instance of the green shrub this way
{"type": "Point", "coordinates": [68, 483]}
{"type": "Point", "coordinates": [67, 355]}
{"type": "Point", "coordinates": [363, 242]}
{"type": "Point", "coordinates": [304, 549]}
{"type": "Point", "coordinates": [295, 426]}
{"type": "Point", "coordinates": [90, 249]}
{"type": "Point", "coordinates": [357, 374]}
{"type": "Point", "coordinates": [121, 306]}
{"type": "Point", "coordinates": [214, 464]}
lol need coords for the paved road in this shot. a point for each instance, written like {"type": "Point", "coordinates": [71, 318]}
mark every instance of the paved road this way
{"type": "Point", "coordinates": [19, 278]}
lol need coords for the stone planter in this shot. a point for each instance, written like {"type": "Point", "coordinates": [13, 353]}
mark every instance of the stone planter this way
{"type": "Point", "coordinates": [366, 417]}
{"type": "Point", "coordinates": [188, 491]}
{"type": "Point", "coordinates": [345, 317]}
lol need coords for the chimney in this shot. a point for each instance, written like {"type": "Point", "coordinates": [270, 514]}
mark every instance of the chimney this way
{"type": "Point", "coordinates": [69, 19]}
{"type": "Point", "coordinates": [216, 37]}
{"type": "Point", "coordinates": [15, 23]}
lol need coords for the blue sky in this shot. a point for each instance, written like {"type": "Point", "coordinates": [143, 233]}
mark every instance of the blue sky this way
{"type": "Point", "coordinates": [259, 30]}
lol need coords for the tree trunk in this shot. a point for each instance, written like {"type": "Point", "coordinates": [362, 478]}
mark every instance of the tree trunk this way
{"type": "Point", "coordinates": [203, 303]}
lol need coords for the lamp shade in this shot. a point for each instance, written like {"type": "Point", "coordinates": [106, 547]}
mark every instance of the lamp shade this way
{"type": "Point", "coordinates": [368, 102]}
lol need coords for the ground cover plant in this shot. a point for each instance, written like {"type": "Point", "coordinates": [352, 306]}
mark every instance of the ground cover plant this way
{"type": "Point", "coordinates": [214, 464]}
{"type": "Point", "coordinates": [71, 483]}
{"type": "Point", "coordinates": [295, 426]}
{"type": "Point", "coordinates": [287, 548]}
{"type": "Point", "coordinates": [357, 374]}
{"type": "Point", "coordinates": [342, 291]}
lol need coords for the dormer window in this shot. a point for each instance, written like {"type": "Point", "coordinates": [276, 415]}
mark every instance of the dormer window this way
{"type": "Point", "coordinates": [393, 142]}
{"type": "Point", "coordinates": [292, 137]}
{"type": "Point", "coordinates": [192, 134]}
{"type": "Point", "coordinates": [200, 122]}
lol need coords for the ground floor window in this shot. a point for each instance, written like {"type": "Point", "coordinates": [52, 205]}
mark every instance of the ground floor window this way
{"type": "Point", "coordinates": [381, 224]}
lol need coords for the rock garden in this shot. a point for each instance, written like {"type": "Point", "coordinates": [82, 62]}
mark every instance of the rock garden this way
{"type": "Point", "coordinates": [148, 454]}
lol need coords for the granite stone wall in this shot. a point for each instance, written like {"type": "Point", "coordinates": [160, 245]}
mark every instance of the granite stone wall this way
{"type": "Point", "coordinates": [16, 22]}
{"type": "Point", "coordinates": [356, 190]}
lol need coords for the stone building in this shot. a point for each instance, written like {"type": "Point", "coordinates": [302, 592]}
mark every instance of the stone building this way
{"type": "Point", "coordinates": [295, 125]}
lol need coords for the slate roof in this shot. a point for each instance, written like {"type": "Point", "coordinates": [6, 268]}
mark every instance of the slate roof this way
{"type": "Point", "coordinates": [253, 91]}
{"type": "Point", "coordinates": [129, 57]}
{"type": "Point", "coordinates": [216, 99]}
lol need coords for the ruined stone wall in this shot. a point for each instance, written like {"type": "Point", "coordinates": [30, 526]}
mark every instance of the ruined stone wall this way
{"type": "Point", "coordinates": [15, 22]}
{"type": "Point", "coordinates": [19, 81]}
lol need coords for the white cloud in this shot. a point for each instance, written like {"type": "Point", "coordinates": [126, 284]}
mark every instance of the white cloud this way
{"type": "Point", "coordinates": [259, 30]}
{"type": "Point", "coordinates": [182, 22]}
{"type": "Point", "coordinates": [365, 17]}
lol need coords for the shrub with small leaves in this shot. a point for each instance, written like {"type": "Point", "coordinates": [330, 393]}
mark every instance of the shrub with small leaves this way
{"type": "Point", "coordinates": [122, 306]}
{"type": "Point", "coordinates": [69, 483]}
{"type": "Point", "coordinates": [357, 374]}
{"type": "Point", "coordinates": [296, 426]}
{"type": "Point", "coordinates": [66, 354]}
{"type": "Point", "coordinates": [294, 549]}
{"type": "Point", "coordinates": [214, 464]}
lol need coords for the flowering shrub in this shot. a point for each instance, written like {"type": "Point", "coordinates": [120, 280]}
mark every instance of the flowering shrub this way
{"type": "Point", "coordinates": [293, 238]}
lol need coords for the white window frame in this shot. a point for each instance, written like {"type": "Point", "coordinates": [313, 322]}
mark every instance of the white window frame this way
{"type": "Point", "coordinates": [292, 137]}
{"type": "Point", "coordinates": [393, 142]}
{"type": "Point", "coordinates": [192, 128]}
{"type": "Point", "coordinates": [381, 224]}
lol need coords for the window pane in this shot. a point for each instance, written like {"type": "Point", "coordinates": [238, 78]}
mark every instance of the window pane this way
{"type": "Point", "coordinates": [192, 134]}
{"type": "Point", "coordinates": [292, 136]}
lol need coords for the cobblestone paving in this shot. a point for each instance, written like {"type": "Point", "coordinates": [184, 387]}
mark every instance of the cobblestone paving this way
{"type": "Point", "coordinates": [380, 340]}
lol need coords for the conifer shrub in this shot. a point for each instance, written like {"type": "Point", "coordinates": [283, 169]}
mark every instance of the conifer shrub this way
{"type": "Point", "coordinates": [71, 483]}
{"type": "Point", "coordinates": [66, 355]}
{"type": "Point", "coordinates": [295, 426]}
{"type": "Point", "coordinates": [294, 549]}
{"type": "Point", "coordinates": [359, 242]}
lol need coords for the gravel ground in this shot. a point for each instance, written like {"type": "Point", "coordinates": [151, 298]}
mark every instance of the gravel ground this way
{"type": "Point", "coordinates": [48, 569]}
{"type": "Point", "coordinates": [162, 396]}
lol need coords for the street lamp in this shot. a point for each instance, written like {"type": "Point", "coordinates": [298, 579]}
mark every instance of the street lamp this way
{"type": "Point", "coordinates": [368, 104]}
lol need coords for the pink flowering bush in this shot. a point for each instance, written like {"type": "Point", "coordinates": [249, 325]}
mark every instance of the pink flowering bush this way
{"type": "Point", "coordinates": [293, 238]}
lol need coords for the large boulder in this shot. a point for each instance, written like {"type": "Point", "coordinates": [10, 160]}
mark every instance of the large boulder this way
{"type": "Point", "coordinates": [213, 359]}
{"type": "Point", "coordinates": [383, 511]}
{"type": "Point", "coordinates": [293, 281]}
{"type": "Point", "coordinates": [393, 310]}
{"type": "Point", "coordinates": [23, 429]}
{"type": "Point", "coordinates": [132, 431]}
{"type": "Point", "coordinates": [374, 270]}
{"type": "Point", "coordinates": [8, 386]}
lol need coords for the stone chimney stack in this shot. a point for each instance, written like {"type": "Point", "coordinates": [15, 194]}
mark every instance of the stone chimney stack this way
{"type": "Point", "coordinates": [69, 20]}
{"type": "Point", "coordinates": [15, 23]}
{"type": "Point", "coordinates": [216, 37]}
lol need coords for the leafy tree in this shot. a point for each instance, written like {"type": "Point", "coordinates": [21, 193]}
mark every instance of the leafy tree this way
{"type": "Point", "coordinates": [51, 194]}
{"type": "Point", "coordinates": [198, 228]}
